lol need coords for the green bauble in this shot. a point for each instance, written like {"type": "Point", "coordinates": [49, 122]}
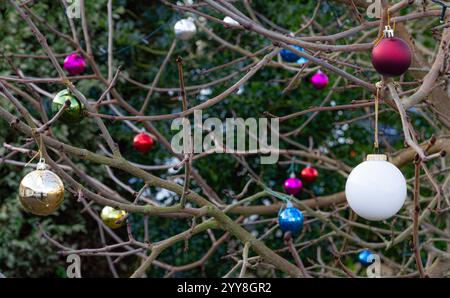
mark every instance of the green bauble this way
{"type": "Point", "coordinates": [74, 113]}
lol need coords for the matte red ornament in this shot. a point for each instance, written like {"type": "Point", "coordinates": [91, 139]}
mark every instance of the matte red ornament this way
{"type": "Point", "coordinates": [391, 57]}
{"type": "Point", "coordinates": [143, 142]}
{"type": "Point", "coordinates": [309, 174]}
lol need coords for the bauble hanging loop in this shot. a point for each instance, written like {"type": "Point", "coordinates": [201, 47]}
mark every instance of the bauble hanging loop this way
{"type": "Point", "coordinates": [113, 218]}
{"type": "Point", "coordinates": [290, 219]}
{"type": "Point", "coordinates": [375, 189]}
{"type": "Point", "coordinates": [185, 29]}
{"type": "Point", "coordinates": [41, 191]}
{"type": "Point", "coordinates": [74, 113]}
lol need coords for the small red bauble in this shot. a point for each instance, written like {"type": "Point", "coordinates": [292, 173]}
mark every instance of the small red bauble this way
{"type": "Point", "coordinates": [143, 142]}
{"type": "Point", "coordinates": [391, 57]}
{"type": "Point", "coordinates": [309, 174]}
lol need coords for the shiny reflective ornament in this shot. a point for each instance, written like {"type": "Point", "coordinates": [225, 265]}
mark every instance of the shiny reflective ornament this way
{"type": "Point", "coordinates": [185, 29]}
{"type": "Point", "coordinates": [112, 217]}
{"type": "Point", "coordinates": [392, 56]}
{"type": "Point", "coordinates": [292, 185]}
{"type": "Point", "coordinates": [143, 142]}
{"type": "Point", "coordinates": [319, 80]}
{"type": "Point", "coordinates": [376, 189]}
{"type": "Point", "coordinates": [366, 257]}
{"type": "Point", "coordinates": [41, 191]}
{"type": "Point", "coordinates": [289, 56]}
{"type": "Point", "coordinates": [309, 174]}
{"type": "Point", "coordinates": [74, 113]}
{"type": "Point", "coordinates": [75, 64]}
{"type": "Point", "coordinates": [230, 21]}
{"type": "Point", "coordinates": [290, 219]}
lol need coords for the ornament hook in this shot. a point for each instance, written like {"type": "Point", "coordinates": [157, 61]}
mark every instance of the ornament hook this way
{"type": "Point", "coordinates": [41, 164]}
{"type": "Point", "coordinates": [388, 32]}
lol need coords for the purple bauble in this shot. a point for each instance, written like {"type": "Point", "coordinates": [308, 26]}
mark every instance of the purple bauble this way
{"type": "Point", "coordinates": [319, 80]}
{"type": "Point", "coordinates": [74, 64]}
{"type": "Point", "coordinates": [292, 185]}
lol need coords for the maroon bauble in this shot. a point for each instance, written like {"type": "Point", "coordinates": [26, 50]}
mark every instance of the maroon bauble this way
{"type": "Point", "coordinates": [143, 142]}
{"type": "Point", "coordinates": [292, 185]}
{"type": "Point", "coordinates": [309, 174]}
{"type": "Point", "coordinates": [391, 57]}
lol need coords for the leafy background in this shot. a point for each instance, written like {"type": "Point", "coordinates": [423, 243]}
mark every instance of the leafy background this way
{"type": "Point", "coordinates": [143, 35]}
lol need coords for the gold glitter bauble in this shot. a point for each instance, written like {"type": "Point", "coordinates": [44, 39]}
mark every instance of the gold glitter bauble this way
{"type": "Point", "coordinates": [111, 216]}
{"type": "Point", "coordinates": [41, 192]}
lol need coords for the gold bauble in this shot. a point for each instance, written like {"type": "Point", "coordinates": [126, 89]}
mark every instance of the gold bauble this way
{"type": "Point", "coordinates": [41, 192]}
{"type": "Point", "coordinates": [111, 217]}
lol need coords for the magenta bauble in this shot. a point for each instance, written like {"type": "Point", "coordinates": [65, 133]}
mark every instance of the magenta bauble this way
{"type": "Point", "coordinates": [292, 185]}
{"type": "Point", "coordinates": [319, 80]}
{"type": "Point", "coordinates": [391, 57]}
{"type": "Point", "coordinates": [75, 64]}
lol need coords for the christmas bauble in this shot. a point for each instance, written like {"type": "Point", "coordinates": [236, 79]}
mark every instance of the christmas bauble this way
{"type": "Point", "coordinates": [366, 257]}
{"type": "Point", "coordinates": [74, 113]}
{"type": "Point", "coordinates": [391, 57]}
{"type": "Point", "coordinates": [290, 219]}
{"type": "Point", "coordinates": [309, 174]}
{"type": "Point", "coordinates": [75, 64]}
{"type": "Point", "coordinates": [112, 217]}
{"type": "Point", "coordinates": [375, 189]}
{"type": "Point", "coordinates": [292, 185]}
{"type": "Point", "coordinates": [185, 29]}
{"type": "Point", "coordinates": [319, 80]}
{"type": "Point", "coordinates": [41, 192]}
{"type": "Point", "coordinates": [289, 56]}
{"type": "Point", "coordinates": [230, 21]}
{"type": "Point", "coordinates": [143, 142]}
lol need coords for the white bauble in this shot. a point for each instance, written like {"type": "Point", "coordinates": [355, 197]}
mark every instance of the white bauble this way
{"type": "Point", "coordinates": [185, 29]}
{"type": "Point", "coordinates": [376, 189]}
{"type": "Point", "coordinates": [230, 21]}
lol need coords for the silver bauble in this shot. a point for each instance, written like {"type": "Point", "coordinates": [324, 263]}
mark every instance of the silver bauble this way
{"type": "Point", "coordinates": [185, 29]}
{"type": "Point", "coordinates": [230, 21]}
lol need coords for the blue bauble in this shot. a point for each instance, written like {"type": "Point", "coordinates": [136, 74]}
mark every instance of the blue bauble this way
{"type": "Point", "coordinates": [301, 61]}
{"type": "Point", "coordinates": [289, 56]}
{"type": "Point", "coordinates": [291, 219]}
{"type": "Point", "coordinates": [366, 257]}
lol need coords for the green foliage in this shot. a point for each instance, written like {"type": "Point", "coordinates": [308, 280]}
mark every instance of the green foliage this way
{"type": "Point", "coordinates": [143, 35]}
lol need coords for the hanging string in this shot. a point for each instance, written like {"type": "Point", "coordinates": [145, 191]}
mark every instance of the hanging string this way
{"type": "Point", "coordinates": [379, 86]}
{"type": "Point", "coordinates": [282, 197]}
{"type": "Point", "coordinates": [293, 166]}
{"type": "Point", "coordinates": [39, 152]}
{"type": "Point", "coordinates": [378, 40]}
